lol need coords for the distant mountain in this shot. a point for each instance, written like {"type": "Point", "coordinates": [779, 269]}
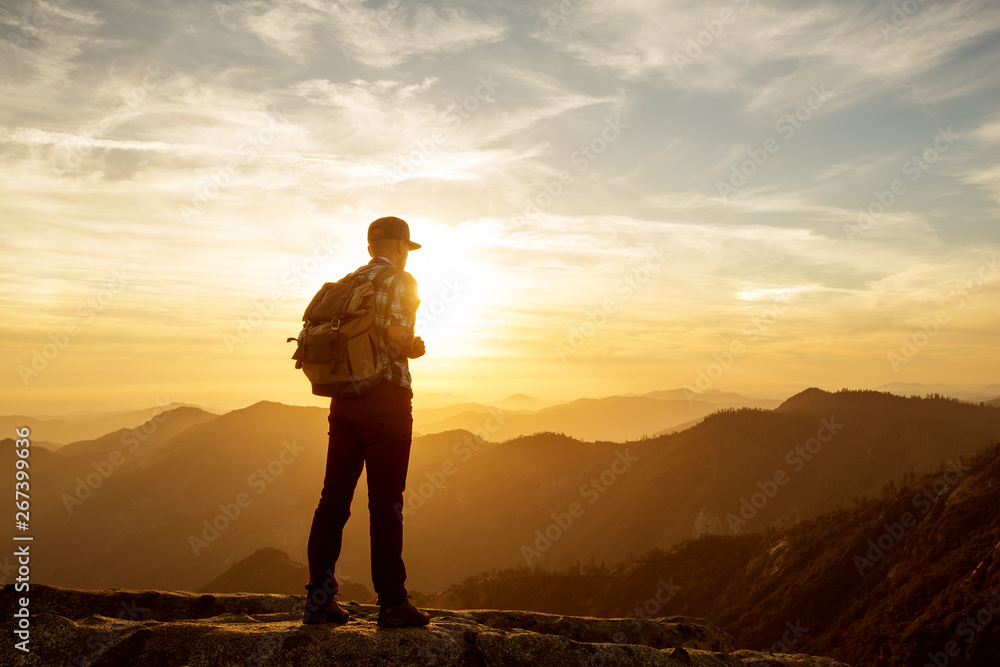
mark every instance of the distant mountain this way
{"type": "Point", "coordinates": [72, 428]}
{"type": "Point", "coordinates": [270, 570]}
{"type": "Point", "coordinates": [918, 389]}
{"type": "Point", "coordinates": [438, 419]}
{"type": "Point", "coordinates": [678, 428]}
{"type": "Point", "coordinates": [737, 471]}
{"type": "Point", "coordinates": [721, 398]}
{"type": "Point", "coordinates": [521, 402]}
{"type": "Point", "coordinates": [431, 399]}
{"type": "Point", "coordinates": [615, 418]}
{"type": "Point", "coordinates": [149, 435]}
{"type": "Point", "coordinates": [219, 490]}
{"type": "Point", "coordinates": [79, 469]}
{"type": "Point", "coordinates": [241, 481]}
{"type": "Point", "coordinates": [910, 579]}
{"type": "Point", "coordinates": [912, 434]}
{"type": "Point", "coordinates": [431, 416]}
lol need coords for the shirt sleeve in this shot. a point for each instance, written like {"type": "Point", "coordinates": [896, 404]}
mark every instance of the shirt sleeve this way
{"type": "Point", "coordinates": [403, 302]}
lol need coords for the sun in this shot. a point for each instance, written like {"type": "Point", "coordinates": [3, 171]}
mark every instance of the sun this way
{"type": "Point", "coordinates": [460, 289]}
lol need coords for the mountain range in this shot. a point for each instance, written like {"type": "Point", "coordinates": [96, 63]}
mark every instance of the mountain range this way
{"type": "Point", "coordinates": [613, 418]}
{"type": "Point", "coordinates": [909, 579]}
{"type": "Point", "coordinates": [203, 492]}
{"type": "Point", "coordinates": [59, 430]}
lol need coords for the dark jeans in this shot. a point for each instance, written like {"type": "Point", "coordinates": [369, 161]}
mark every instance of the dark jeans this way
{"type": "Point", "coordinates": [373, 430]}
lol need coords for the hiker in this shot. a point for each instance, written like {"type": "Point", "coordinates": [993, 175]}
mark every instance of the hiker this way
{"type": "Point", "coordinates": [373, 430]}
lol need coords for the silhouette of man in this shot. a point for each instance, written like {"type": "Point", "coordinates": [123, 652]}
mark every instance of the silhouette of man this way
{"type": "Point", "coordinates": [372, 430]}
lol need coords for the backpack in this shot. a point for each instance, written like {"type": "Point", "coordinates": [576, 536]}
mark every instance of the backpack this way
{"type": "Point", "coordinates": [338, 347]}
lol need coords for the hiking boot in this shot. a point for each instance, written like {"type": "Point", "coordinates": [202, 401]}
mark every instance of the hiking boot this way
{"type": "Point", "coordinates": [330, 612]}
{"type": "Point", "coordinates": [403, 616]}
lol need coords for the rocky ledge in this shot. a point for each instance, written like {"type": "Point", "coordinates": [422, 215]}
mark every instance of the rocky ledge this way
{"type": "Point", "coordinates": [111, 628]}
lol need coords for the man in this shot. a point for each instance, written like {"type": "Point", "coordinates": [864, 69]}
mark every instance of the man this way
{"type": "Point", "coordinates": [372, 430]}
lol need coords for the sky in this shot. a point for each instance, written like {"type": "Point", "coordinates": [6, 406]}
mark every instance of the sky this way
{"type": "Point", "coordinates": [613, 197]}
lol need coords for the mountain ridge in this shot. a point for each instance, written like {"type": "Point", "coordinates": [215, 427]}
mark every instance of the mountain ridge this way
{"type": "Point", "coordinates": [472, 504]}
{"type": "Point", "coordinates": [888, 582]}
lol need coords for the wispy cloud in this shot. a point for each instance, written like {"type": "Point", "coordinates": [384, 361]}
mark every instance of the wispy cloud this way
{"type": "Point", "coordinates": [382, 37]}
{"type": "Point", "coordinates": [541, 151]}
{"type": "Point", "coordinates": [764, 52]}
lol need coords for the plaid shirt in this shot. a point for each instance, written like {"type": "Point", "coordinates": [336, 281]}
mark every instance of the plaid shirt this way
{"type": "Point", "coordinates": [395, 306]}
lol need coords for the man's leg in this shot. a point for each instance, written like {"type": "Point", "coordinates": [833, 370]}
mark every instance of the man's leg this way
{"type": "Point", "coordinates": [344, 461]}
{"type": "Point", "coordinates": [387, 432]}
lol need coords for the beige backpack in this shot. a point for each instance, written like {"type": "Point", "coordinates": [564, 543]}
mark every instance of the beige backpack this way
{"type": "Point", "coordinates": [338, 347]}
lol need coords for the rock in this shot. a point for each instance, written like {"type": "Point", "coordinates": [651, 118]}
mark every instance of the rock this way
{"type": "Point", "coordinates": [115, 627]}
{"type": "Point", "coordinates": [680, 654]}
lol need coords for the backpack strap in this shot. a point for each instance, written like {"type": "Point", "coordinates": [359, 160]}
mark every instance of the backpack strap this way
{"type": "Point", "coordinates": [338, 351]}
{"type": "Point", "coordinates": [385, 274]}
{"type": "Point", "coordinates": [381, 277]}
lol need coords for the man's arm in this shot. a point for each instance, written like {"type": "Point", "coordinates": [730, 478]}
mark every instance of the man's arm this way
{"type": "Point", "coordinates": [402, 319]}
{"type": "Point", "coordinates": [401, 339]}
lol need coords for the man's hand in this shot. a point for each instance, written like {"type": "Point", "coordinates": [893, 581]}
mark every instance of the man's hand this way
{"type": "Point", "coordinates": [416, 348]}
{"type": "Point", "coordinates": [402, 343]}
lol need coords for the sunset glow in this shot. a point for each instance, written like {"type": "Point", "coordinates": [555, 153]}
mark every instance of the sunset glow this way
{"type": "Point", "coordinates": [612, 197]}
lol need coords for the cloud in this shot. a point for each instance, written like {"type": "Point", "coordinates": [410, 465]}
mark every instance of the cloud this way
{"type": "Point", "coordinates": [766, 53]}
{"type": "Point", "coordinates": [986, 173]}
{"type": "Point", "coordinates": [381, 37]}
{"type": "Point", "coordinates": [287, 125]}
{"type": "Point", "coordinates": [423, 32]}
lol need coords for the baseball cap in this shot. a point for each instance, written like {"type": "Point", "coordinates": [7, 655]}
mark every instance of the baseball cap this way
{"type": "Point", "coordinates": [390, 227]}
